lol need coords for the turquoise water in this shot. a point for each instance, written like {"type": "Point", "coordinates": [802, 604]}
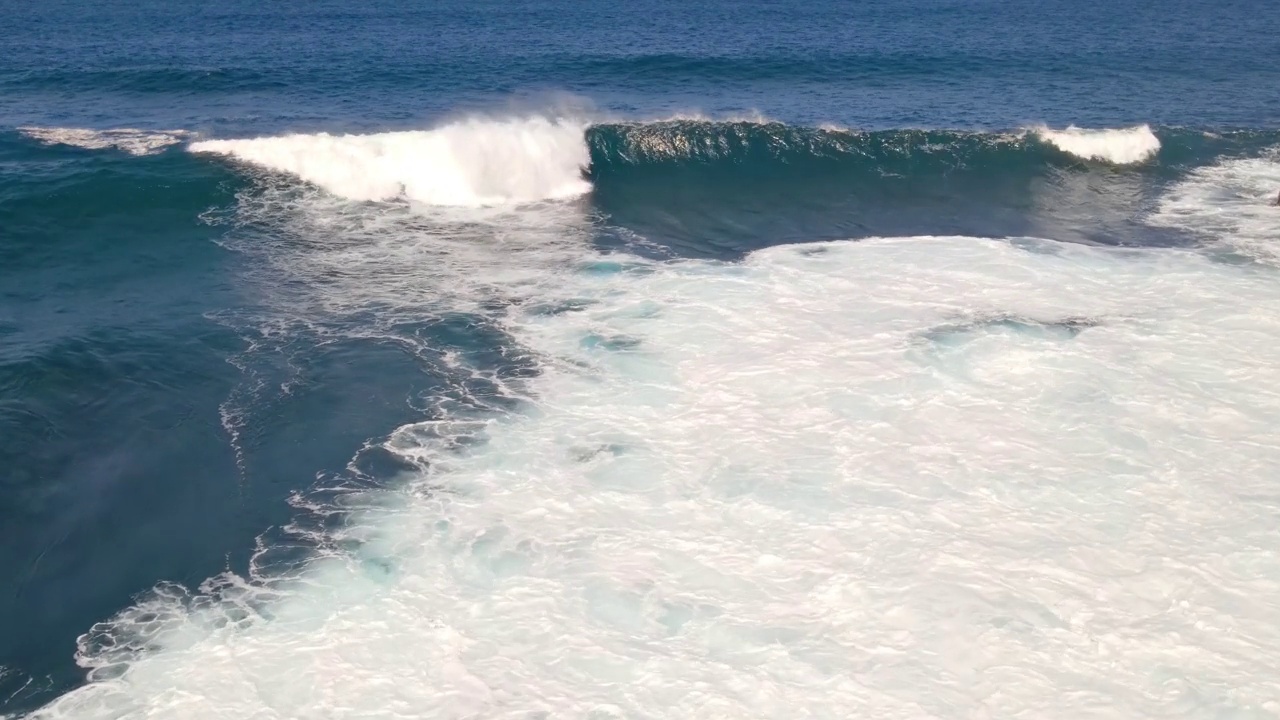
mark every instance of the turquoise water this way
{"type": "Point", "coordinates": [267, 271]}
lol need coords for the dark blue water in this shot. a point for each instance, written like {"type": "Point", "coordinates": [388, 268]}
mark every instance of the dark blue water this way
{"type": "Point", "coordinates": [159, 408]}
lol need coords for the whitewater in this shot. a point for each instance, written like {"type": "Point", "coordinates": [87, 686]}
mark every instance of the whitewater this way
{"type": "Point", "coordinates": [887, 477]}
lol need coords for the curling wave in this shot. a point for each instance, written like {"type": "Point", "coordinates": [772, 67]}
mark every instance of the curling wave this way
{"type": "Point", "coordinates": [492, 162]}
{"type": "Point", "coordinates": [742, 143]}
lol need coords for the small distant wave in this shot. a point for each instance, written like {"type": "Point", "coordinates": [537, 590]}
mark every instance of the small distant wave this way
{"type": "Point", "coordinates": [468, 163]}
{"type": "Point", "coordinates": [146, 79]}
{"type": "Point", "coordinates": [1124, 146]}
{"type": "Point", "coordinates": [132, 141]}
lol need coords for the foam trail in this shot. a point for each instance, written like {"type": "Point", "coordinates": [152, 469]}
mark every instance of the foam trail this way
{"type": "Point", "coordinates": [469, 163]}
{"type": "Point", "coordinates": [1121, 146]}
{"type": "Point", "coordinates": [1230, 202]}
{"type": "Point", "coordinates": [921, 477]}
{"type": "Point", "coordinates": [134, 142]}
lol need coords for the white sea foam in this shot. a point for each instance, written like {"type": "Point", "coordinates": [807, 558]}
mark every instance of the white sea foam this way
{"type": "Point", "coordinates": [1119, 146]}
{"type": "Point", "coordinates": [925, 477]}
{"type": "Point", "coordinates": [1230, 202]}
{"type": "Point", "coordinates": [134, 142]}
{"type": "Point", "coordinates": [466, 163]}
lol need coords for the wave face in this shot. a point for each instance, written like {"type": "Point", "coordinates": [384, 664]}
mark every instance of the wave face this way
{"type": "Point", "coordinates": [742, 143]}
{"type": "Point", "coordinates": [687, 182]}
{"type": "Point", "coordinates": [688, 179]}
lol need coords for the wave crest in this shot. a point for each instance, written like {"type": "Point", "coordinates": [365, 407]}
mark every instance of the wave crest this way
{"type": "Point", "coordinates": [468, 163]}
{"type": "Point", "coordinates": [1124, 146]}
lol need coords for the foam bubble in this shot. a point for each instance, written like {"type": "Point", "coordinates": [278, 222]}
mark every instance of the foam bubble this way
{"type": "Point", "coordinates": [467, 163]}
{"type": "Point", "coordinates": [1232, 201]}
{"type": "Point", "coordinates": [1123, 146]}
{"type": "Point", "coordinates": [933, 477]}
{"type": "Point", "coordinates": [134, 142]}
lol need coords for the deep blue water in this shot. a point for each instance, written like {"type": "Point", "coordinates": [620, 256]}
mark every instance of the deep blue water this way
{"type": "Point", "coordinates": [158, 409]}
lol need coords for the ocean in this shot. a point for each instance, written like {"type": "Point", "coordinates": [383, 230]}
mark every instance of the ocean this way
{"type": "Point", "coordinates": [535, 359]}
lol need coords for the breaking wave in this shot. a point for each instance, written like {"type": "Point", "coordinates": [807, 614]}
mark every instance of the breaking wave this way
{"type": "Point", "coordinates": [470, 163]}
{"type": "Point", "coordinates": [495, 162]}
{"type": "Point", "coordinates": [486, 161]}
{"type": "Point", "coordinates": [1120, 147]}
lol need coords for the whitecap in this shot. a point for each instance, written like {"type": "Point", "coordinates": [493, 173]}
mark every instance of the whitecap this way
{"type": "Point", "coordinates": [1123, 146]}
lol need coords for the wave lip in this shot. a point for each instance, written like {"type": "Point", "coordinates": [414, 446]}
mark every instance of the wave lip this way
{"type": "Point", "coordinates": [471, 163]}
{"type": "Point", "coordinates": [130, 140]}
{"type": "Point", "coordinates": [1121, 146]}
